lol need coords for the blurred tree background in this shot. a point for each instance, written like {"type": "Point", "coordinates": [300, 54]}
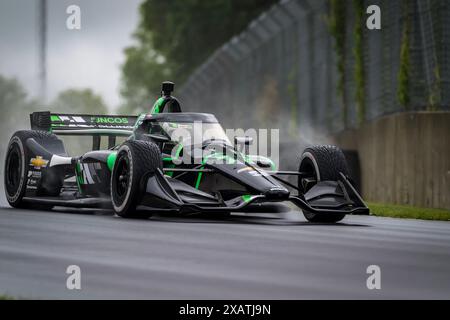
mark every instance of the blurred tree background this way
{"type": "Point", "coordinates": [15, 107]}
{"type": "Point", "coordinates": [79, 101]}
{"type": "Point", "coordinates": [172, 39]}
{"type": "Point", "coordinates": [176, 36]}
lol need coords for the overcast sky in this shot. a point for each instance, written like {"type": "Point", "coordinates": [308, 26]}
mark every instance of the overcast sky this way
{"type": "Point", "coordinates": [86, 58]}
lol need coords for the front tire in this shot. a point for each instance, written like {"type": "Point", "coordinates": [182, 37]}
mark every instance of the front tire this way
{"type": "Point", "coordinates": [322, 163]}
{"type": "Point", "coordinates": [135, 159]}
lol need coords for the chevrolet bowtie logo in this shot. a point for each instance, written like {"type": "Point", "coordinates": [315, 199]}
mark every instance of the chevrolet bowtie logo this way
{"type": "Point", "coordinates": [38, 162]}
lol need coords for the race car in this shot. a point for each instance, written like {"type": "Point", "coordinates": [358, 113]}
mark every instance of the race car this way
{"type": "Point", "coordinates": [155, 170]}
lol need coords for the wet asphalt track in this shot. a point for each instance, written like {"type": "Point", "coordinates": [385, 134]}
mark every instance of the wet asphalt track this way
{"type": "Point", "coordinates": [260, 257]}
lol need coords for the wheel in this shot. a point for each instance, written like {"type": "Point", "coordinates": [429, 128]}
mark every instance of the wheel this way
{"type": "Point", "coordinates": [135, 159]}
{"type": "Point", "coordinates": [322, 163]}
{"type": "Point", "coordinates": [17, 166]}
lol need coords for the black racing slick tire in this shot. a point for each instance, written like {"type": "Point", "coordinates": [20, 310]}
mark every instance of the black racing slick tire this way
{"type": "Point", "coordinates": [17, 164]}
{"type": "Point", "coordinates": [135, 159]}
{"type": "Point", "coordinates": [323, 163]}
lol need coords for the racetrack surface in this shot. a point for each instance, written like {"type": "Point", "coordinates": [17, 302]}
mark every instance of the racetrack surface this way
{"type": "Point", "coordinates": [263, 256]}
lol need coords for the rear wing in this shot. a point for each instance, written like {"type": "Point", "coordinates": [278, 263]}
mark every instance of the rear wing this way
{"type": "Point", "coordinates": [84, 125]}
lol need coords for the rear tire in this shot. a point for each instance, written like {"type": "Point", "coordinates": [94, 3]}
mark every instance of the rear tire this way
{"type": "Point", "coordinates": [17, 165]}
{"type": "Point", "coordinates": [135, 159]}
{"type": "Point", "coordinates": [324, 164]}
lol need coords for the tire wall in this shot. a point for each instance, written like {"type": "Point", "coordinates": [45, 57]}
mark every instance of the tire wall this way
{"type": "Point", "coordinates": [404, 158]}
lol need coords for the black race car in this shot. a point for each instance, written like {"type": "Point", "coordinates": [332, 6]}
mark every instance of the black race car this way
{"type": "Point", "coordinates": [153, 172]}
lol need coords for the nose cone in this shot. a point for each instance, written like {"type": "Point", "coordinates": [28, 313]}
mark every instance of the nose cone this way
{"type": "Point", "coordinates": [277, 193]}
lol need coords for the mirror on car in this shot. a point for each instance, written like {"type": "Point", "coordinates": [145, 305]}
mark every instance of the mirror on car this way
{"type": "Point", "coordinates": [263, 163]}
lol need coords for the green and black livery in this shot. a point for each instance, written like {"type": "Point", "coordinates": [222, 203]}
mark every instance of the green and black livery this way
{"type": "Point", "coordinates": [150, 172]}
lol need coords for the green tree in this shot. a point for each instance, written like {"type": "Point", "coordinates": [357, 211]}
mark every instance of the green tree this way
{"type": "Point", "coordinates": [405, 61]}
{"type": "Point", "coordinates": [176, 36]}
{"type": "Point", "coordinates": [337, 23]}
{"type": "Point", "coordinates": [14, 106]}
{"type": "Point", "coordinates": [79, 101]}
{"type": "Point", "coordinates": [142, 74]}
{"type": "Point", "coordinates": [83, 101]}
{"type": "Point", "coordinates": [358, 52]}
{"type": "Point", "coordinates": [14, 109]}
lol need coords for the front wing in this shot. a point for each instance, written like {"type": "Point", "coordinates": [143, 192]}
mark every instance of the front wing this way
{"type": "Point", "coordinates": [326, 197]}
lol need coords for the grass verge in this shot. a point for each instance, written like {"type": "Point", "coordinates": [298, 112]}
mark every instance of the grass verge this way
{"type": "Point", "coordinates": [5, 297]}
{"type": "Point", "coordinates": [401, 211]}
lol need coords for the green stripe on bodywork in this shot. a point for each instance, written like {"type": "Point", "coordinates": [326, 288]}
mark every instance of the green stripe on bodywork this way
{"type": "Point", "coordinates": [177, 153]}
{"type": "Point", "coordinates": [170, 159]}
{"type": "Point", "coordinates": [79, 176]}
{"type": "Point", "coordinates": [199, 179]}
{"type": "Point", "coordinates": [139, 120]}
{"type": "Point", "coordinates": [230, 160]}
{"type": "Point", "coordinates": [254, 158]}
{"type": "Point", "coordinates": [170, 173]}
{"type": "Point", "coordinates": [111, 160]}
{"type": "Point", "coordinates": [157, 106]}
{"type": "Point", "coordinates": [246, 197]}
{"type": "Point", "coordinates": [54, 118]}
